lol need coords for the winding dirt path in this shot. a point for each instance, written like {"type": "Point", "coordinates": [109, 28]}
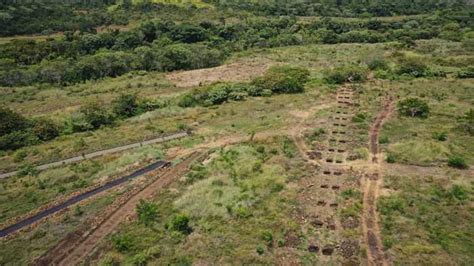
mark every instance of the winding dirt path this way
{"type": "Point", "coordinates": [371, 186]}
{"type": "Point", "coordinates": [74, 253]}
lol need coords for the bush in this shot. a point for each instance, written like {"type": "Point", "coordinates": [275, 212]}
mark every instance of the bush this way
{"type": "Point", "coordinates": [126, 105]}
{"type": "Point", "coordinates": [412, 67]}
{"type": "Point", "coordinates": [414, 107]}
{"type": "Point", "coordinates": [466, 73]}
{"type": "Point", "coordinates": [341, 75]}
{"type": "Point", "coordinates": [180, 223]}
{"type": "Point", "coordinates": [283, 79]}
{"type": "Point", "coordinates": [457, 162]}
{"type": "Point", "coordinates": [122, 243]}
{"type": "Point", "coordinates": [45, 129]}
{"type": "Point", "coordinates": [260, 249]}
{"type": "Point", "coordinates": [390, 158]}
{"type": "Point", "coordinates": [147, 212]}
{"type": "Point", "coordinates": [377, 63]}
{"type": "Point", "coordinates": [441, 136]}
{"type": "Point", "coordinates": [17, 139]}
{"type": "Point", "coordinates": [11, 121]}
{"type": "Point", "coordinates": [96, 115]}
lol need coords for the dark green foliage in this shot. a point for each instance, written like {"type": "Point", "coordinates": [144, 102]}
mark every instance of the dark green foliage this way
{"type": "Point", "coordinates": [188, 33]}
{"type": "Point", "coordinates": [126, 105]}
{"type": "Point", "coordinates": [358, 118]}
{"type": "Point", "coordinates": [457, 162]}
{"type": "Point", "coordinates": [276, 80]}
{"type": "Point", "coordinates": [189, 56]}
{"type": "Point", "coordinates": [122, 243]}
{"type": "Point", "coordinates": [165, 46]}
{"type": "Point", "coordinates": [341, 75]}
{"type": "Point", "coordinates": [414, 107]}
{"type": "Point", "coordinates": [260, 249]}
{"type": "Point", "coordinates": [441, 136]}
{"type": "Point", "coordinates": [95, 115]}
{"type": "Point", "coordinates": [45, 129]}
{"type": "Point", "coordinates": [11, 121]}
{"type": "Point", "coordinates": [147, 212]}
{"type": "Point", "coordinates": [413, 67]}
{"type": "Point", "coordinates": [17, 139]}
{"type": "Point", "coordinates": [466, 73]}
{"type": "Point", "coordinates": [383, 140]}
{"type": "Point", "coordinates": [180, 223]}
{"type": "Point", "coordinates": [283, 79]}
{"type": "Point", "coordinates": [390, 158]}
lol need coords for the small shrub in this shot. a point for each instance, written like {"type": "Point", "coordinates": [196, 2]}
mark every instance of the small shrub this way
{"type": "Point", "coordinates": [412, 67]}
{"type": "Point", "coordinates": [260, 249]}
{"type": "Point", "coordinates": [377, 63]}
{"type": "Point", "coordinates": [466, 73]}
{"type": "Point", "coordinates": [414, 107]}
{"type": "Point", "coordinates": [147, 212]}
{"type": "Point", "coordinates": [78, 211]}
{"type": "Point", "coordinates": [267, 236]}
{"type": "Point", "coordinates": [384, 140]}
{"type": "Point", "coordinates": [122, 243]}
{"type": "Point", "coordinates": [180, 223]}
{"type": "Point", "coordinates": [390, 158]}
{"type": "Point", "coordinates": [441, 136]}
{"type": "Point", "coordinates": [459, 192]}
{"type": "Point", "coordinates": [126, 105]}
{"type": "Point", "coordinates": [45, 129]}
{"type": "Point", "coordinates": [359, 118]}
{"type": "Point", "coordinates": [457, 162]}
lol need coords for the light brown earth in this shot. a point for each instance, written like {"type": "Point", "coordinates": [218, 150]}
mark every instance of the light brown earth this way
{"type": "Point", "coordinates": [243, 70]}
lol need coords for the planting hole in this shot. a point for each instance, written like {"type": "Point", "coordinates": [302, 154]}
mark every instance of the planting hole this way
{"type": "Point", "coordinates": [313, 248]}
{"type": "Point", "coordinates": [328, 250]}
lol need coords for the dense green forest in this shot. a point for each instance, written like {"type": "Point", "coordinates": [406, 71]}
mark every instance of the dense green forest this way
{"type": "Point", "coordinates": [165, 45]}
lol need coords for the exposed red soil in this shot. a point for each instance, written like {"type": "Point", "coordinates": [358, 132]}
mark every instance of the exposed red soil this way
{"type": "Point", "coordinates": [372, 235]}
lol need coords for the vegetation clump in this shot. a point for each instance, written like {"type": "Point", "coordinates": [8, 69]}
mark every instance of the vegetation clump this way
{"type": "Point", "coordinates": [345, 74]}
{"type": "Point", "coordinates": [457, 162]}
{"type": "Point", "coordinates": [413, 67]}
{"type": "Point", "coordinates": [276, 80]}
{"type": "Point", "coordinates": [414, 107]}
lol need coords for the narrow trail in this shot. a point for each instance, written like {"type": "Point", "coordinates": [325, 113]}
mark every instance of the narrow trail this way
{"type": "Point", "coordinates": [372, 183]}
{"type": "Point", "coordinates": [102, 153]}
{"type": "Point", "coordinates": [75, 252]}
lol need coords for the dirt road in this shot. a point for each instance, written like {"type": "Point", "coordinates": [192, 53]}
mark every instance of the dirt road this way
{"type": "Point", "coordinates": [102, 152]}
{"type": "Point", "coordinates": [372, 183]}
{"type": "Point", "coordinates": [75, 254]}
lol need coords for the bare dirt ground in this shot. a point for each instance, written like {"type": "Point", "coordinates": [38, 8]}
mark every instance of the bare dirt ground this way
{"type": "Point", "coordinates": [326, 175]}
{"type": "Point", "coordinates": [296, 133]}
{"type": "Point", "coordinates": [238, 71]}
{"type": "Point", "coordinates": [371, 190]}
{"type": "Point", "coordinates": [75, 252]}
